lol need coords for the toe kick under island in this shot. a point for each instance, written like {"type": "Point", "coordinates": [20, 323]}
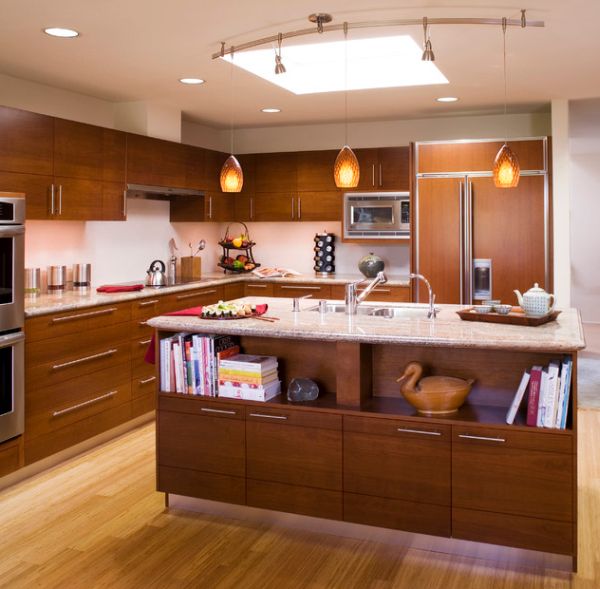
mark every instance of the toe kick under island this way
{"type": "Point", "coordinates": [360, 453]}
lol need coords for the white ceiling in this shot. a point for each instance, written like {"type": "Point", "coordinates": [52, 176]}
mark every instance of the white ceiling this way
{"type": "Point", "coordinates": [135, 50]}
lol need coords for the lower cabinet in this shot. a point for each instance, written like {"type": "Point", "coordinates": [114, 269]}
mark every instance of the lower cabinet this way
{"type": "Point", "coordinates": [11, 455]}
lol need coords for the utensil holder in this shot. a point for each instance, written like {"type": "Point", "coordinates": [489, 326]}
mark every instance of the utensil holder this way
{"type": "Point", "coordinates": [191, 267]}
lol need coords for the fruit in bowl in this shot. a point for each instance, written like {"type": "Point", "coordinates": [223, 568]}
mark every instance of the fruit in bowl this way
{"type": "Point", "coordinates": [237, 242]}
{"type": "Point", "coordinates": [242, 258]}
{"type": "Point", "coordinates": [237, 265]}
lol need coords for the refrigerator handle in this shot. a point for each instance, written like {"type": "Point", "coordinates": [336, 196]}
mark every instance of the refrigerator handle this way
{"type": "Point", "coordinates": [461, 240]}
{"type": "Point", "coordinates": [469, 242]}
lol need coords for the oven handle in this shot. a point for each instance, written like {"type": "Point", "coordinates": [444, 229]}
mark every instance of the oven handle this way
{"type": "Point", "coordinates": [11, 339]}
{"type": "Point", "coordinates": [11, 230]}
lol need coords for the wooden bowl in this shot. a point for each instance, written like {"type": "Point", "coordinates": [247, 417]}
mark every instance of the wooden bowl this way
{"type": "Point", "coordinates": [433, 395]}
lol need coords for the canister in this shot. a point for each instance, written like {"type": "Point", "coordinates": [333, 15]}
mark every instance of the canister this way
{"type": "Point", "coordinates": [82, 276]}
{"type": "Point", "coordinates": [33, 282]}
{"type": "Point", "coordinates": [56, 277]}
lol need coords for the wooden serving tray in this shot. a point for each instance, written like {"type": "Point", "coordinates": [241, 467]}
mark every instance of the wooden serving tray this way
{"type": "Point", "coordinates": [513, 318]}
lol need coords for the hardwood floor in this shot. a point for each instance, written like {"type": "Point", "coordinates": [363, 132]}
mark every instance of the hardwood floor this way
{"type": "Point", "coordinates": [96, 521]}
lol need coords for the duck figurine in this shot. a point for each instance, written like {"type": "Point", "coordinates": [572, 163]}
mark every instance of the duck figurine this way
{"type": "Point", "coordinates": [433, 395]}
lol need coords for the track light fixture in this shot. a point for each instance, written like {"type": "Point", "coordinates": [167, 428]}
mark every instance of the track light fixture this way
{"type": "Point", "coordinates": [320, 18]}
{"type": "Point", "coordinates": [279, 67]}
{"type": "Point", "coordinates": [427, 49]}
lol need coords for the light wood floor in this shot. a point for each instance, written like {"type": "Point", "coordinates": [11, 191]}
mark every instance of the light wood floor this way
{"type": "Point", "coordinates": [97, 522]}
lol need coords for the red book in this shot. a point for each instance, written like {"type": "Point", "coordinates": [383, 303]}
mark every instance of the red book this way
{"type": "Point", "coordinates": [534, 395]}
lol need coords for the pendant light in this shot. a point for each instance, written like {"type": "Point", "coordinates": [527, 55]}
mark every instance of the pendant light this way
{"type": "Point", "coordinates": [506, 170]}
{"type": "Point", "coordinates": [346, 171]}
{"type": "Point", "coordinates": [232, 176]}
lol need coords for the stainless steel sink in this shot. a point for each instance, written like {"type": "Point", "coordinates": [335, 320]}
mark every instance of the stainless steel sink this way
{"type": "Point", "coordinates": [393, 311]}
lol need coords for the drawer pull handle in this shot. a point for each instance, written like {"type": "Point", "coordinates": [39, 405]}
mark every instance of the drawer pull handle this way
{"type": "Point", "coordinates": [483, 438]}
{"type": "Point", "coordinates": [84, 315]}
{"type": "Point", "coordinates": [256, 285]}
{"type": "Point", "coordinates": [227, 412]}
{"type": "Point", "coordinates": [148, 303]}
{"type": "Point", "coordinates": [85, 359]}
{"type": "Point", "coordinates": [145, 342]}
{"type": "Point", "coordinates": [418, 431]}
{"type": "Point", "coordinates": [268, 416]}
{"type": "Point", "coordinates": [147, 380]}
{"type": "Point", "coordinates": [377, 290]}
{"type": "Point", "coordinates": [84, 404]}
{"type": "Point", "coordinates": [283, 287]}
{"type": "Point", "coordinates": [195, 294]}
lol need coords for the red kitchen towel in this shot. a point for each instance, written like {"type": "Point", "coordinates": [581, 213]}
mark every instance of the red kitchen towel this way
{"type": "Point", "coordinates": [119, 288]}
{"type": "Point", "coordinates": [191, 312]}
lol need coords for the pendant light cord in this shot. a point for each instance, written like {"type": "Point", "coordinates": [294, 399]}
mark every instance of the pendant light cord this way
{"type": "Point", "coordinates": [231, 104]}
{"type": "Point", "coordinates": [505, 90]}
{"type": "Point", "coordinates": [345, 83]}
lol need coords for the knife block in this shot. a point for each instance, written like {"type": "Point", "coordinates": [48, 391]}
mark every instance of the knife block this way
{"type": "Point", "coordinates": [191, 267]}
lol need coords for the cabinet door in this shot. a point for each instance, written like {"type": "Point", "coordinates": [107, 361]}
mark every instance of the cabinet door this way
{"type": "Point", "coordinates": [114, 201]}
{"type": "Point", "coordinates": [78, 200]}
{"type": "Point", "coordinates": [439, 237]}
{"type": "Point", "coordinates": [508, 228]}
{"type": "Point", "coordinates": [37, 190]}
{"type": "Point", "coordinates": [393, 169]}
{"type": "Point", "coordinates": [156, 162]}
{"type": "Point", "coordinates": [275, 172]}
{"type": "Point", "coordinates": [315, 171]}
{"type": "Point", "coordinates": [27, 142]}
{"type": "Point", "coordinates": [319, 206]}
{"type": "Point", "coordinates": [219, 206]}
{"type": "Point", "coordinates": [273, 206]}
{"type": "Point", "coordinates": [243, 205]}
{"type": "Point", "coordinates": [88, 152]}
{"type": "Point", "coordinates": [315, 291]}
{"type": "Point", "coordinates": [211, 175]}
{"type": "Point", "coordinates": [368, 162]}
{"type": "Point", "coordinates": [193, 298]}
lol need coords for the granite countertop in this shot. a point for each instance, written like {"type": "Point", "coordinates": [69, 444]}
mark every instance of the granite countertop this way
{"type": "Point", "coordinates": [70, 300]}
{"type": "Point", "coordinates": [447, 330]}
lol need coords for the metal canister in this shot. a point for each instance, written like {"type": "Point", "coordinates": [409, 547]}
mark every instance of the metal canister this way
{"type": "Point", "coordinates": [33, 282]}
{"type": "Point", "coordinates": [82, 276]}
{"type": "Point", "coordinates": [56, 277]}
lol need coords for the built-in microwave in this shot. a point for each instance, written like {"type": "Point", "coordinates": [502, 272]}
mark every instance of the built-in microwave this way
{"type": "Point", "coordinates": [376, 215]}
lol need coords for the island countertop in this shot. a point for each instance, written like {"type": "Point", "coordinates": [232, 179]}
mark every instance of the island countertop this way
{"type": "Point", "coordinates": [446, 330]}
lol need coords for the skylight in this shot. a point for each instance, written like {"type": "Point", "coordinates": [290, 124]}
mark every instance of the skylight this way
{"type": "Point", "coordinates": [384, 62]}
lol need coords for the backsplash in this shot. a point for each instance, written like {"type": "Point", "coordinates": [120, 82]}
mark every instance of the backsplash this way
{"type": "Point", "coordinates": [122, 251]}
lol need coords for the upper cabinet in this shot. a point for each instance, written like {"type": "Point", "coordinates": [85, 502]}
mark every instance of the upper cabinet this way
{"type": "Point", "coordinates": [276, 172]}
{"type": "Point", "coordinates": [27, 142]}
{"type": "Point", "coordinates": [383, 169]}
{"type": "Point", "coordinates": [476, 156]}
{"type": "Point", "coordinates": [315, 170]}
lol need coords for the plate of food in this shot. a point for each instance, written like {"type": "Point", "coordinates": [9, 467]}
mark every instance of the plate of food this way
{"type": "Point", "coordinates": [227, 311]}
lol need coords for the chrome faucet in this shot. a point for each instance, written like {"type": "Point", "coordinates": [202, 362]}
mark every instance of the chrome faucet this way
{"type": "Point", "coordinates": [432, 312]}
{"type": "Point", "coordinates": [296, 302]}
{"type": "Point", "coordinates": [353, 299]}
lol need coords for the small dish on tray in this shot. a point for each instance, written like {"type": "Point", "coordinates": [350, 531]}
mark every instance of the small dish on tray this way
{"type": "Point", "coordinates": [225, 310]}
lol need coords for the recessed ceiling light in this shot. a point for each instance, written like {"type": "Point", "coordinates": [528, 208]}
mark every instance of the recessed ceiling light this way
{"type": "Point", "coordinates": [447, 99]}
{"type": "Point", "coordinates": [191, 81]}
{"type": "Point", "coordinates": [270, 110]}
{"type": "Point", "coordinates": [61, 32]}
{"type": "Point", "coordinates": [383, 62]}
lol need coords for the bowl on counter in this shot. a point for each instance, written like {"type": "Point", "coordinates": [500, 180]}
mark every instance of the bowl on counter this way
{"type": "Point", "coordinates": [503, 309]}
{"type": "Point", "coordinates": [482, 309]}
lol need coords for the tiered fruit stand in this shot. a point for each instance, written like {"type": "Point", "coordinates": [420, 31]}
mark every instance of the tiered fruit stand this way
{"type": "Point", "coordinates": [227, 261]}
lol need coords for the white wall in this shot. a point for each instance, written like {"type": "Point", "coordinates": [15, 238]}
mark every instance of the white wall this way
{"type": "Point", "coordinates": [584, 184]}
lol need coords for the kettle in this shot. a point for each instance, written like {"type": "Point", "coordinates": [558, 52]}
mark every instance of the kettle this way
{"type": "Point", "coordinates": [536, 302]}
{"type": "Point", "coordinates": [156, 276]}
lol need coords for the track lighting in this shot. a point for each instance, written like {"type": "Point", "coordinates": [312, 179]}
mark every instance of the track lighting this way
{"type": "Point", "coordinates": [279, 67]}
{"type": "Point", "coordinates": [427, 49]}
{"type": "Point", "coordinates": [320, 18]}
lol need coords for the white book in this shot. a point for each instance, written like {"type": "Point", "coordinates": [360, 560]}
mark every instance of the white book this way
{"type": "Point", "coordinates": [565, 405]}
{"type": "Point", "coordinates": [178, 373]}
{"type": "Point", "coordinates": [561, 394]}
{"type": "Point", "coordinates": [164, 386]}
{"type": "Point", "coordinates": [518, 399]}
{"type": "Point", "coordinates": [551, 398]}
{"type": "Point", "coordinates": [542, 398]}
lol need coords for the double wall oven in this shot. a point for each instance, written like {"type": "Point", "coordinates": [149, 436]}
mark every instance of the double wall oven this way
{"type": "Point", "coordinates": [12, 264]}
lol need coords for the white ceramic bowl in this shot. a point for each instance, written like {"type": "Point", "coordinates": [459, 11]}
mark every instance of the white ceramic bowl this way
{"type": "Point", "coordinates": [483, 309]}
{"type": "Point", "coordinates": [503, 309]}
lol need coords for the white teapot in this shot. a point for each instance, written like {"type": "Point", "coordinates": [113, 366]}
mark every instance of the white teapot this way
{"type": "Point", "coordinates": [536, 302]}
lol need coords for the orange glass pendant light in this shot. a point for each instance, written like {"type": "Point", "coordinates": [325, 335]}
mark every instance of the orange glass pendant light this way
{"type": "Point", "coordinates": [232, 176]}
{"type": "Point", "coordinates": [506, 168]}
{"type": "Point", "coordinates": [346, 171]}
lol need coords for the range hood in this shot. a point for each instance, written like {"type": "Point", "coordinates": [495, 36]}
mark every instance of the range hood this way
{"type": "Point", "coordinates": [159, 192]}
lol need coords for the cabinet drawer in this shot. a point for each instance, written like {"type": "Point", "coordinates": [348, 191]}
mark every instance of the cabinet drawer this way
{"type": "Point", "coordinates": [199, 406]}
{"type": "Point", "coordinates": [294, 417]}
{"type": "Point", "coordinates": [191, 298]}
{"type": "Point", "coordinates": [73, 364]}
{"type": "Point", "coordinates": [294, 499]}
{"type": "Point", "coordinates": [204, 485]}
{"type": "Point", "coordinates": [65, 437]}
{"type": "Point", "coordinates": [147, 308]}
{"type": "Point", "coordinates": [140, 330]}
{"type": "Point", "coordinates": [398, 428]}
{"type": "Point", "coordinates": [139, 367]}
{"type": "Point", "coordinates": [198, 442]}
{"type": "Point", "coordinates": [80, 321]}
{"type": "Point", "coordinates": [235, 290]}
{"type": "Point", "coordinates": [143, 396]}
{"type": "Point", "coordinates": [262, 289]}
{"type": "Point", "coordinates": [10, 455]}
{"type": "Point", "coordinates": [409, 466]}
{"type": "Point", "coordinates": [144, 384]}
{"type": "Point", "coordinates": [392, 294]}
{"type": "Point", "coordinates": [59, 405]}
{"type": "Point", "coordinates": [512, 530]}
{"type": "Point", "coordinates": [317, 291]}
{"type": "Point", "coordinates": [509, 438]}
{"type": "Point", "coordinates": [513, 481]}
{"type": "Point", "coordinates": [421, 518]}
{"type": "Point", "coordinates": [294, 455]}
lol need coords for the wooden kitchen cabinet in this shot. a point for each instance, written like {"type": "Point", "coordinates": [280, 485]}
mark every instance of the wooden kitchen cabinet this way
{"type": "Point", "coordinates": [292, 290]}
{"type": "Point", "coordinates": [273, 206]}
{"type": "Point", "coordinates": [27, 142]}
{"type": "Point", "coordinates": [37, 190]}
{"type": "Point", "coordinates": [11, 455]}
{"type": "Point", "coordinates": [383, 169]}
{"type": "Point", "coordinates": [275, 172]}
{"type": "Point", "coordinates": [406, 466]}
{"type": "Point", "coordinates": [259, 289]}
{"type": "Point", "coordinates": [315, 171]}
{"type": "Point", "coordinates": [319, 206]}
{"type": "Point", "coordinates": [392, 294]}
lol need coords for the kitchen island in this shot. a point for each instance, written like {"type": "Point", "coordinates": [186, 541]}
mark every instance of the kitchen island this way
{"type": "Point", "coordinates": [360, 453]}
